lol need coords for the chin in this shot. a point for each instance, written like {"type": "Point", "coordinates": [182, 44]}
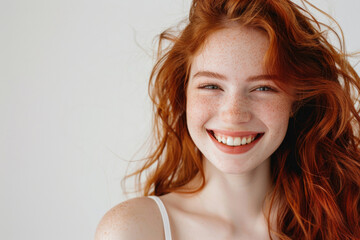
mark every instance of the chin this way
{"type": "Point", "coordinates": [236, 166]}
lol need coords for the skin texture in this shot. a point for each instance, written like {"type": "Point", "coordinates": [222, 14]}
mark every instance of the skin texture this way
{"type": "Point", "coordinates": [137, 218]}
{"type": "Point", "coordinates": [233, 202]}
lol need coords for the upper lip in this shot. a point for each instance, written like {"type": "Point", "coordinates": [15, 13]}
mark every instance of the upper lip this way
{"type": "Point", "coordinates": [233, 133]}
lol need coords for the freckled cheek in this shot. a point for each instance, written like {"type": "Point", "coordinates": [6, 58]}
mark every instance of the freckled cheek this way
{"type": "Point", "coordinates": [199, 109]}
{"type": "Point", "coordinates": [275, 113]}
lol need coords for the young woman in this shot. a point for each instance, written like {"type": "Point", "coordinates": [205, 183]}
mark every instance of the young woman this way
{"type": "Point", "coordinates": [257, 131]}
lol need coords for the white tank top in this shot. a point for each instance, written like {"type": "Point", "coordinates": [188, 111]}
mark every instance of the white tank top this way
{"type": "Point", "coordinates": [164, 216]}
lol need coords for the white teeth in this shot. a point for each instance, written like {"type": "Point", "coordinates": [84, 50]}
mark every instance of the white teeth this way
{"type": "Point", "coordinates": [237, 141]}
{"type": "Point", "coordinates": [230, 141]}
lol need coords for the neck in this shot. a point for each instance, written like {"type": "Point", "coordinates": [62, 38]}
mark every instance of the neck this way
{"type": "Point", "coordinates": [237, 198]}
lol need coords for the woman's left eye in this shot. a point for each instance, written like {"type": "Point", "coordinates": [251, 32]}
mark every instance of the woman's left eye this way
{"type": "Point", "coordinates": [264, 88]}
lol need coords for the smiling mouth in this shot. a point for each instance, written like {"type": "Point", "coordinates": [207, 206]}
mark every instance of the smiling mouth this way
{"type": "Point", "coordinates": [235, 141]}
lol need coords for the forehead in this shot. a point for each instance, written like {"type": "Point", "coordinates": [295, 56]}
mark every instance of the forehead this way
{"type": "Point", "coordinates": [233, 49]}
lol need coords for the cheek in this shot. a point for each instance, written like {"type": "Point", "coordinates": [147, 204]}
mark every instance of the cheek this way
{"type": "Point", "coordinates": [199, 109]}
{"type": "Point", "coordinates": [276, 114]}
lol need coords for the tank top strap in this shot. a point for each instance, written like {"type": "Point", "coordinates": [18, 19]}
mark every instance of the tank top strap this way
{"type": "Point", "coordinates": [164, 216]}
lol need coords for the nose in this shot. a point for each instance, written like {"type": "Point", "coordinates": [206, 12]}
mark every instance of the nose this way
{"type": "Point", "coordinates": [236, 110]}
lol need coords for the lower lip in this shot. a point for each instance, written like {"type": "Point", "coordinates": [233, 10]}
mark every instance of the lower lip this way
{"type": "Point", "coordinates": [234, 149]}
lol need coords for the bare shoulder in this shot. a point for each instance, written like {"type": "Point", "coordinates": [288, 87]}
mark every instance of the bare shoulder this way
{"type": "Point", "coordinates": [137, 218]}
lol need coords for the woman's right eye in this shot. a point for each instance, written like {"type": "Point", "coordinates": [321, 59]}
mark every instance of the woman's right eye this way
{"type": "Point", "coordinates": [209, 86]}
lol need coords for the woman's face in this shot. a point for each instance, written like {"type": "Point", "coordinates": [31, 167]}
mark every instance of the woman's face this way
{"type": "Point", "coordinates": [236, 114]}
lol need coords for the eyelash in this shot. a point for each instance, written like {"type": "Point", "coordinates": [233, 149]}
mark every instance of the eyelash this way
{"type": "Point", "coordinates": [209, 87]}
{"type": "Point", "coordinates": [266, 86]}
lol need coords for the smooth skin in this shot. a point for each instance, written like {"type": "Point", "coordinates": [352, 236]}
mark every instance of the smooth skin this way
{"type": "Point", "coordinates": [228, 90]}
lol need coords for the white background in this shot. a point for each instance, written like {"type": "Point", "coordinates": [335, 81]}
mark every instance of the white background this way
{"type": "Point", "coordinates": [74, 107]}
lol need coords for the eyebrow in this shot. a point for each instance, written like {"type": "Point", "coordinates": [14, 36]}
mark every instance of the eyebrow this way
{"type": "Point", "coordinates": [223, 77]}
{"type": "Point", "coordinates": [209, 74]}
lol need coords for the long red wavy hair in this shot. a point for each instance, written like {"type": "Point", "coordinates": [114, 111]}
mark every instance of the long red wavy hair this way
{"type": "Point", "coordinates": [316, 170]}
